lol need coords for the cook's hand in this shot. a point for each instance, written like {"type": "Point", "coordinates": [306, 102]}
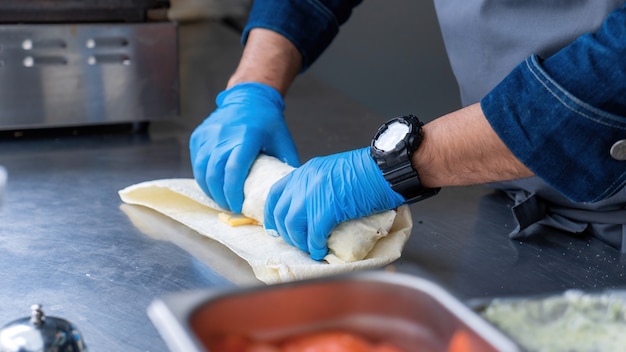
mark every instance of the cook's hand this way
{"type": "Point", "coordinates": [304, 206]}
{"type": "Point", "coordinates": [248, 120]}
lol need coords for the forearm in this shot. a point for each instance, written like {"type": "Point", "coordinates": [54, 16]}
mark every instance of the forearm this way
{"type": "Point", "coordinates": [310, 25]}
{"type": "Point", "coordinates": [268, 58]}
{"type": "Point", "coordinates": [461, 148]}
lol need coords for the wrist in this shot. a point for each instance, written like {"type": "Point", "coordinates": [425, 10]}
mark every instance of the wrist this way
{"type": "Point", "coordinates": [246, 90]}
{"type": "Point", "coordinates": [268, 58]}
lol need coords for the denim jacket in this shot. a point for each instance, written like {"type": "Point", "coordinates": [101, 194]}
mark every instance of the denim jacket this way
{"type": "Point", "coordinates": [550, 77]}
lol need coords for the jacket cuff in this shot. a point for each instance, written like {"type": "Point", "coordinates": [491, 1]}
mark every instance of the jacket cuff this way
{"type": "Point", "coordinates": [310, 25]}
{"type": "Point", "coordinates": [562, 139]}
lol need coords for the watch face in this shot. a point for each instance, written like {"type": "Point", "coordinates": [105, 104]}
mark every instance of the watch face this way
{"type": "Point", "coordinates": [389, 138]}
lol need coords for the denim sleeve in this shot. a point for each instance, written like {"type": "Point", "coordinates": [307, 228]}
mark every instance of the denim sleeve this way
{"type": "Point", "coordinates": [561, 116]}
{"type": "Point", "coordinates": [311, 25]}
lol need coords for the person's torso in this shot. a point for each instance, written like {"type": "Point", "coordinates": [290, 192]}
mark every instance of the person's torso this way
{"type": "Point", "coordinates": [486, 39]}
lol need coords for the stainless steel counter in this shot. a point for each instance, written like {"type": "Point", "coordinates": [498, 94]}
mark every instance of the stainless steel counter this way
{"type": "Point", "coordinates": [67, 241]}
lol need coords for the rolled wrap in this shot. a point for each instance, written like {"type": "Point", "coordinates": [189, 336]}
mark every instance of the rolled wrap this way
{"type": "Point", "coordinates": [348, 242]}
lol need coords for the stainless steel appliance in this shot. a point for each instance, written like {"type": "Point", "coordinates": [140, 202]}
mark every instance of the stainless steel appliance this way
{"type": "Point", "coordinates": [66, 63]}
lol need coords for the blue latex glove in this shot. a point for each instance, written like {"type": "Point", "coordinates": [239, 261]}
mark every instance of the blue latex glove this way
{"type": "Point", "coordinates": [248, 120]}
{"type": "Point", "coordinates": [304, 206]}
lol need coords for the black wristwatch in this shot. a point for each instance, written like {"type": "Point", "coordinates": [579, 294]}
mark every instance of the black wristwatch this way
{"type": "Point", "coordinates": [392, 148]}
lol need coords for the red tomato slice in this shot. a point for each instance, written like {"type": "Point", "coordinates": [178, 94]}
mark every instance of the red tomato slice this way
{"type": "Point", "coordinates": [462, 341]}
{"type": "Point", "coordinates": [230, 343]}
{"type": "Point", "coordinates": [330, 341]}
{"type": "Point", "coordinates": [385, 347]}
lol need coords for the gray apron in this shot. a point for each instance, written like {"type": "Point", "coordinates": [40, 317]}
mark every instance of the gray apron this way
{"type": "Point", "coordinates": [485, 40]}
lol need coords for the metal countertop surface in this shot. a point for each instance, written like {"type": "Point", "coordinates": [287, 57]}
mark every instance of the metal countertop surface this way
{"type": "Point", "coordinates": [68, 242]}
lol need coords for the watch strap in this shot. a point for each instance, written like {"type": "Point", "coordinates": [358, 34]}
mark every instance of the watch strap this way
{"type": "Point", "coordinates": [405, 181]}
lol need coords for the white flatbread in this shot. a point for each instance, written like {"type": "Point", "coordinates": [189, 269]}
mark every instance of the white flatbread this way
{"type": "Point", "coordinates": [370, 242]}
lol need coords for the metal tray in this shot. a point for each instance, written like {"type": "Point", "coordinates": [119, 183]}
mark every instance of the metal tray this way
{"type": "Point", "coordinates": [405, 310]}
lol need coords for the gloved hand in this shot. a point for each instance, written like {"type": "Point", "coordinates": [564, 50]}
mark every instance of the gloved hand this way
{"type": "Point", "coordinates": [304, 206]}
{"type": "Point", "coordinates": [248, 121]}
